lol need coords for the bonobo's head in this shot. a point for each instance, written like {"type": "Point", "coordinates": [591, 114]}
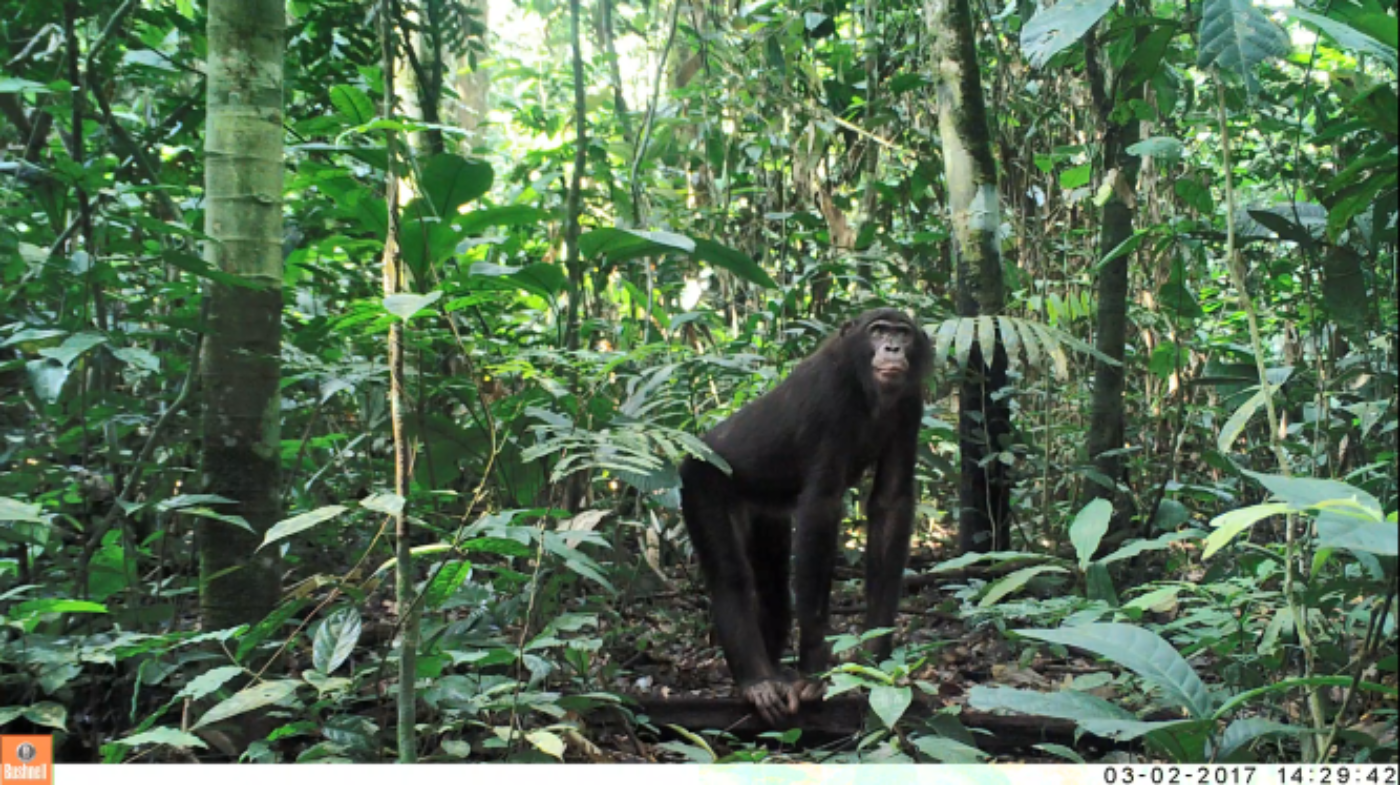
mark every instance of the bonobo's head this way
{"type": "Point", "coordinates": [898, 352]}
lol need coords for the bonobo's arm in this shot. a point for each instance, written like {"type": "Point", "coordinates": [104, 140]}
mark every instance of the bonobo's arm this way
{"type": "Point", "coordinates": [819, 512]}
{"type": "Point", "coordinates": [891, 512]}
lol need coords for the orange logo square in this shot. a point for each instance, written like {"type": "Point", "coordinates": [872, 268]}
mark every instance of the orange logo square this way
{"type": "Point", "coordinates": [26, 760]}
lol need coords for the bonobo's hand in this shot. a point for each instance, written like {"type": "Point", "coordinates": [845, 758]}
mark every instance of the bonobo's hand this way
{"type": "Point", "coordinates": [775, 699]}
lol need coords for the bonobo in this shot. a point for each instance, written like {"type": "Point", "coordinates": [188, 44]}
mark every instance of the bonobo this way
{"type": "Point", "coordinates": [855, 403]}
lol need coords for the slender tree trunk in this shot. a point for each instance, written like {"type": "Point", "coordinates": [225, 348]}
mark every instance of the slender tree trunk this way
{"type": "Point", "coordinates": [474, 82]}
{"type": "Point", "coordinates": [984, 421]}
{"type": "Point", "coordinates": [241, 364]}
{"type": "Point", "coordinates": [393, 272]}
{"type": "Point", "coordinates": [606, 35]}
{"type": "Point", "coordinates": [572, 227]}
{"type": "Point", "coordinates": [1110, 336]}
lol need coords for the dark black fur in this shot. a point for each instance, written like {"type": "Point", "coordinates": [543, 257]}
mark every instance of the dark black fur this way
{"type": "Point", "coordinates": [794, 452]}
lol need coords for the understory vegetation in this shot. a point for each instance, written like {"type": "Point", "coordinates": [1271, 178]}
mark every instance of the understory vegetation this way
{"type": "Point", "coordinates": [348, 352]}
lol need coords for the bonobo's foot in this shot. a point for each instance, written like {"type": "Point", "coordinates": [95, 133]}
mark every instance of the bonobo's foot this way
{"type": "Point", "coordinates": [774, 698]}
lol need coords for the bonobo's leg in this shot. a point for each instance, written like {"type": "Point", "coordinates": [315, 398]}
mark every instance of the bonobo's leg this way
{"type": "Point", "coordinates": [714, 516]}
{"type": "Point", "coordinates": [891, 513]}
{"type": "Point", "coordinates": [771, 558]}
{"type": "Point", "coordinates": [818, 526]}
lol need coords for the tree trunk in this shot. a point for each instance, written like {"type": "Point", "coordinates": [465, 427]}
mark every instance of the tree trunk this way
{"type": "Point", "coordinates": [984, 423]}
{"type": "Point", "coordinates": [1110, 333]}
{"type": "Point", "coordinates": [241, 364]}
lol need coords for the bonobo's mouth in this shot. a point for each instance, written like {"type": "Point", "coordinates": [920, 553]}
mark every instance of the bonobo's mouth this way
{"type": "Point", "coordinates": [891, 373]}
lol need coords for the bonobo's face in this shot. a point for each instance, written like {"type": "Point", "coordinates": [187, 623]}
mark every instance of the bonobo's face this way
{"type": "Point", "coordinates": [891, 340]}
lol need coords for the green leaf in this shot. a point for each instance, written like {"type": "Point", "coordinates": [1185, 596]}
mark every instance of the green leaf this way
{"type": "Point", "coordinates": [1164, 147]}
{"type": "Point", "coordinates": [13, 510]}
{"type": "Point", "coordinates": [406, 306]}
{"type": "Point", "coordinates": [57, 605]}
{"type": "Point", "coordinates": [169, 737]}
{"type": "Point", "coordinates": [352, 104]}
{"type": "Point", "coordinates": [207, 683]}
{"type": "Point", "coordinates": [387, 503]}
{"type": "Point", "coordinates": [1346, 36]}
{"type": "Point", "coordinates": [1014, 582]}
{"type": "Point", "coordinates": [449, 578]}
{"type": "Point", "coordinates": [48, 714]}
{"type": "Point", "coordinates": [1141, 651]}
{"type": "Point", "coordinates": [1088, 529]}
{"type": "Point", "coordinates": [335, 640]}
{"type": "Point", "coordinates": [12, 84]}
{"type": "Point", "coordinates": [1356, 534]}
{"type": "Point", "coordinates": [509, 215]}
{"type": "Point", "coordinates": [1065, 704]}
{"type": "Point", "coordinates": [889, 703]}
{"type": "Point", "coordinates": [727, 258]}
{"type": "Point", "coordinates": [256, 697]}
{"type": "Point", "coordinates": [1243, 731]}
{"type": "Point", "coordinates": [1235, 37]}
{"type": "Point", "coordinates": [547, 742]}
{"type": "Point", "coordinates": [73, 347]}
{"type": "Point", "coordinates": [196, 266]}
{"type": "Point", "coordinates": [1077, 176]}
{"type": "Point", "coordinates": [1307, 493]}
{"type": "Point", "coordinates": [949, 751]}
{"type": "Point", "coordinates": [1234, 426]}
{"type": "Point", "coordinates": [300, 523]}
{"type": "Point", "coordinates": [1229, 525]}
{"type": "Point", "coordinates": [1127, 730]}
{"type": "Point", "coordinates": [450, 181]}
{"type": "Point", "coordinates": [1054, 29]}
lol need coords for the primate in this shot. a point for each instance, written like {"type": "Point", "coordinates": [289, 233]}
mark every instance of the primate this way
{"type": "Point", "coordinates": [853, 404]}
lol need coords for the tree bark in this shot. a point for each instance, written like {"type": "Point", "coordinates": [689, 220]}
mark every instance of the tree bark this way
{"type": "Point", "coordinates": [241, 361]}
{"type": "Point", "coordinates": [984, 420]}
{"type": "Point", "coordinates": [1121, 131]}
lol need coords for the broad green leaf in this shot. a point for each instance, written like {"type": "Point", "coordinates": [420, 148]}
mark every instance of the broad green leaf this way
{"type": "Point", "coordinates": [1088, 529]}
{"type": "Point", "coordinates": [1163, 595]}
{"type": "Point", "coordinates": [1164, 147]}
{"type": "Point", "coordinates": [734, 261]}
{"type": "Point", "coordinates": [56, 605]}
{"type": "Point", "coordinates": [300, 523]}
{"type": "Point", "coordinates": [1065, 704]}
{"type": "Point", "coordinates": [1346, 36]}
{"type": "Point", "coordinates": [1056, 28]}
{"type": "Point", "coordinates": [949, 751]}
{"type": "Point", "coordinates": [387, 503]}
{"type": "Point", "coordinates": [1229, 525]}
{"type": "Point", "coordinates": [335, 640]}
{"type": "Point", "coordinates": [1308, 492]}
{"type": "Point", "coordinates": [1243, 731]}
{"type": "Point", "coordinates": [47, 378]}
{"type": "Point", "coordinates": [475, 221]}
{"type": "Point", "coordinates": [1235, 37]}
{"type": "Point", "coordinates": [1014, 582]}
{"type": "Point", "coordinates": [13, 510]}
{"type": "Point", "coordinates": [1356, 534]}
{"type": "Point", "coordinates": [207, 683]}
{"type": "Point", "coordinates": [1234, 426]}
{"type": "Point", "coordinates": [191, 500]}
{"type": "Point", "coordinates": [255, 697]}
{"type": "Point", "coordinates": [449, 578]}
{"type": "Point", "coordinates": [889, 703]}
{"type": "Point", "coordinates": [1136, 547]}
{"type": "Point", "coordinates": [406, 306]}
{"type": "Point", "coordinates": [1076, 177]}
{"type": "Point", "coordinates": [170, 737]}
{"type": "Point", "coordinates": [450, 181]}
{"type": "Point", "coordinates": [352, 104]}
{"type": "Point", "coordinates": [12, 84]}
{"type": "Point", "coordinates": [48, 714]}
{"type": "Point", "coordinates": [1141, 651]}
{"type": "Point", "coordinates": [1127, 730]}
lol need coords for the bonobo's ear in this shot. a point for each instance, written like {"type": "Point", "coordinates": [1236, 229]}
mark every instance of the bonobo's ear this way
{"type": "Point", "coordinates": [848, 326]}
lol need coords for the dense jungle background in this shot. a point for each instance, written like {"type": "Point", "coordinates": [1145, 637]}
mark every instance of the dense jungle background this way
{"type": "Point", "coordinates": [348, 351]}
